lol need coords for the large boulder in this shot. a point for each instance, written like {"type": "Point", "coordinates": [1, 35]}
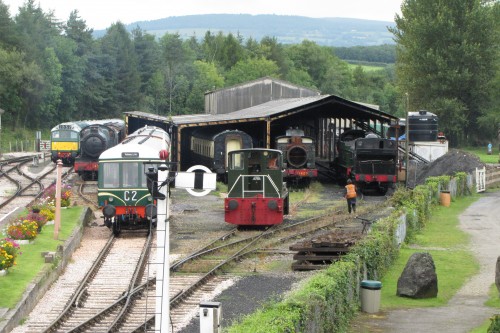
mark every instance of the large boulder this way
{"type": "Point", "coordinates": [419, 279]}
{"type": "Point", "coordinates": [497, 275]}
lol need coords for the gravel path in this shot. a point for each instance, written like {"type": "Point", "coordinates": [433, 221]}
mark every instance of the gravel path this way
{"type": "Point", "coordinates": [466, 309]}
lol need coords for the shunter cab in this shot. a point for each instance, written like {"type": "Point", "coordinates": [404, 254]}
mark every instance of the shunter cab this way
{"type": "Point", "coordinates": [257, 194]}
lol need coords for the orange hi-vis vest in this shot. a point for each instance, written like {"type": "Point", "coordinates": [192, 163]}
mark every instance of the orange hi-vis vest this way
{"type": "Point", "coordinates": [351, 191]}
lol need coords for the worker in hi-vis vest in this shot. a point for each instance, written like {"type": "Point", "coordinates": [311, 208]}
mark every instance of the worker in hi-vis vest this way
{"type": "Point", "coordinates": [350, 195]}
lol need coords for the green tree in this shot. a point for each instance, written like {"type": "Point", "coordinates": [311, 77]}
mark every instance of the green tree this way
{"type": "Point", "coordinates": [207, 78]}
{"type": "Point", "coordinates": [19, 87]}
{"type": "Point", "coordinates": [47, 109]}
{"type": "Point", "coordinates": [123, 77]}
{"type": "Point", "coordinates": [251, 69]}
{"type": "Point", "coordinates": [8, 34]}
{"type": "Point", "coordinates": [177, 59]}
{"type": "Point", "coordinates": [330, 74]}
{"type": "Point", "coordinates": [73, 50]}
{"type": "Point", "coordinates": [148, 55]}
{"type": "Point", "coordinates": [76, 29]}
{"type": "Point", "coordinates": [445, 52]}
{"type": "Point", "coordinates": [37, 30]}
{"type": "Point", "coordinates": [156, 101]}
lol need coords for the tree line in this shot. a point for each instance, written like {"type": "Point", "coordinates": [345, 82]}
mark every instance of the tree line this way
{"type": "Point", "coordinates": [54, 71]}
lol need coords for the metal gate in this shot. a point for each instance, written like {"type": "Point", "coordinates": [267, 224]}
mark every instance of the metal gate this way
{"type": "Point", "coordinates": [480, 179]}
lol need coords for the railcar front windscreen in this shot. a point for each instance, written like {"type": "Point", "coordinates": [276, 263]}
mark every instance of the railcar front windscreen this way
{"type": "Point", "coordinates": [111, 175]}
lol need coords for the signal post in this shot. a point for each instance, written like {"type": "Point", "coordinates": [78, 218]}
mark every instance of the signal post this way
{"type": "Point", "coordinates": [190, 180]}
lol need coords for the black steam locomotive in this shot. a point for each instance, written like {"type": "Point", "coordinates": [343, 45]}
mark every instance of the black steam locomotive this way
{"type": "Point", "coordinates": [298, 157]}
{"type": "Point", "coordinates": [367, 159]}
{"type": "Point", "coordinates": [95, 138]}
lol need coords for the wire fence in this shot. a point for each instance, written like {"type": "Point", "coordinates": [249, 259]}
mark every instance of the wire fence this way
{"type": "Point", "coordinates": [18, 146]}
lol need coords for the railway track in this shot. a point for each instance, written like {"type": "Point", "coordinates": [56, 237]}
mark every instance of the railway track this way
{"type": "Point", "coordinates": [192, 279]}
{"type": "Point", "coordinates": [18, 183]}
{"type": "Point", "coordinates": [93, 305]}
{"type": "Point", "coordinates": [87, 192]}
{"type": "Point", "coordinates": [195, 276]}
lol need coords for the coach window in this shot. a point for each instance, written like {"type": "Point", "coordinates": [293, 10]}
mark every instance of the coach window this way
{"type": "Point", "coordinates": [130, 174]}
{"type": "Point", "coordinates": [110, 175]}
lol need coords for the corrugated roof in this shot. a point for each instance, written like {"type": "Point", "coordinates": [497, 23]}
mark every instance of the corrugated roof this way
{"type": "Point", "coordinates": [271, 109]}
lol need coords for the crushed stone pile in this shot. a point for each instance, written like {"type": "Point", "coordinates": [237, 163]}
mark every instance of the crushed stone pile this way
{"type": "Point", "coordinates": [452, 162]}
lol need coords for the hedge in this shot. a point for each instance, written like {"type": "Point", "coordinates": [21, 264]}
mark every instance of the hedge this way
{"type": "Point", "coordinates": [328, 301]}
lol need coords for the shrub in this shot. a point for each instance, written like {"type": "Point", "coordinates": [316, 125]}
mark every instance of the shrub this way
{"type": "Point", "coordinates": [495, 324]}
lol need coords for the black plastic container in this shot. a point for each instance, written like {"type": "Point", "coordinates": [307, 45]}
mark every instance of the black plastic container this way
{"type": "Point", "coordinates": [423, 126]}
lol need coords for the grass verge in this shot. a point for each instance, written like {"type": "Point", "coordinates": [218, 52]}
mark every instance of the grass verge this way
{"type": "Point", "coordinates": [30, 261]}
{"type": "Point", "coordinates": [482, 153]}
{"type": "Point", "coordinates": [448, 246]}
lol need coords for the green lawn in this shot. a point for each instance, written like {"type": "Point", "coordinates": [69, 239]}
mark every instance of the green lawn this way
{"type": "Point", "coordinates": [448, 246]}
{"type": "Point", "coordinates": [30, 261]}
{"type": "Point", "coordinates": [482, 153]}
{"type": "Point", "coordinates": [367, 68]}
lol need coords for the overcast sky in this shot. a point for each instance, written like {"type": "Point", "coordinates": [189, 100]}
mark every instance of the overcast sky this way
{"type": "Point", "coordinates": [100, 14]}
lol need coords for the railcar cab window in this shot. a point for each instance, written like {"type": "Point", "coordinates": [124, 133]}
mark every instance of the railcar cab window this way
{"type": "Point", "coordinates": [130, 174]}
{"type": "Point", "coordinates": [236, 161]}
{"type": "Point", "coordinates": [111, 175]}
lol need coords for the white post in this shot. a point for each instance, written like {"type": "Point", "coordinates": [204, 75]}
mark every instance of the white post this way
{"type": "Point", "coordinates": [162, 315]}
{"type": "Point", "coordinates": [57, 219]}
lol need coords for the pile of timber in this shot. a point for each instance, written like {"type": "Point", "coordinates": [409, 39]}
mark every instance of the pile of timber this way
{"type": "Point", "coordinates": [324, 249]}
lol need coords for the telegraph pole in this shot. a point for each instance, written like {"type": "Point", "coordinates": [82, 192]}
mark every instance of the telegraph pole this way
{"type": "Point", "coordinates": [407, 139]}
{"type": "Point", "coordinates": [57, 218]}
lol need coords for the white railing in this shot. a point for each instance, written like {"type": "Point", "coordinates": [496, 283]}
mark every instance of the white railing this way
{"type": "Point", "coordinates": [480, 179]}
{"type": "Point", "coordinates": [261, 181]}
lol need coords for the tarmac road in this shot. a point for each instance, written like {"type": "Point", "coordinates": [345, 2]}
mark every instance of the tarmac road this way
{"type": "Point", "coordinates": [466, 310]}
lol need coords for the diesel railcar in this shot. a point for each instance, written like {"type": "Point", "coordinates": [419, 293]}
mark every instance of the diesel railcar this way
{"type": "Point", "coordinates": [210, 148]}
{"type": "Point", "coordinates": [257, 194]}
{"type": "Point", "coordinates": [95, 139]}
{"type": "Point", "coordinates": [65, 141]}
{"type": "Point", "coordinates": [370, 161]}
{"type": "Point", "coordinates": [298, 157]}
{"type": "Point", "coordinates": [122, 183]}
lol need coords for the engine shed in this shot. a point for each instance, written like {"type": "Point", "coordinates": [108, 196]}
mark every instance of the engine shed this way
{"type": "Point", "coordinates": [322, 117]}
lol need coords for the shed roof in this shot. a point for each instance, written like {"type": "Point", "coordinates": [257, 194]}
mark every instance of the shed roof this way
{"type": "Point", "coordinates": [328, 106]}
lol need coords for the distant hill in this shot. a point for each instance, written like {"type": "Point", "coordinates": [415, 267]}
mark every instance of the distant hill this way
{"type": "Point", "coordinates": [344, 32]}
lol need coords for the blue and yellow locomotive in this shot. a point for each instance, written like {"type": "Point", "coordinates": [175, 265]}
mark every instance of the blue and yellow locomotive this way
{"type": "Point", "coordinates": [65, 141]}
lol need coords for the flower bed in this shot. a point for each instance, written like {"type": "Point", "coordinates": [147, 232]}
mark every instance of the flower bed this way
{"type": "Point", "coordinates": [50, 194]}
{"type": "Point", "coordinates": [8, 253]}
{"type": "Point", "coordinates": [23, 229]}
